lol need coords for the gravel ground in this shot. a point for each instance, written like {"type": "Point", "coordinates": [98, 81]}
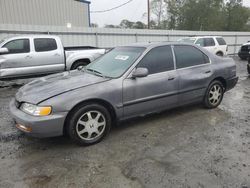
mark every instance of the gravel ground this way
{"type": "Point", "coordinates": [185, 147]}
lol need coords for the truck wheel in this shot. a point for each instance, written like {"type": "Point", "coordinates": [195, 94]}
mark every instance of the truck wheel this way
{"type": "Point", "coordinates": [248, 68]}
{"type": "Point", "coordinates": [214, 95]}
{"type": "Point", "coordinates": [79, 65]}
{"type": "Point", "coordinates": [89, 124]}
{"type": "Point", "coordinates": [219, 54]}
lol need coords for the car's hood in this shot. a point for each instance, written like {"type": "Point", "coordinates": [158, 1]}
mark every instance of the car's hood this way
{"type": "Point", "coordinates": [50, 86]}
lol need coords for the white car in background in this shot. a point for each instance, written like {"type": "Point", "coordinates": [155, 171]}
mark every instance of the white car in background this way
{"type": "Point", "coordinates": [215, 44]}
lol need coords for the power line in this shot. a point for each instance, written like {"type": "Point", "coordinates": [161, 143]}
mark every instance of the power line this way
{"type": "Point", "coordinates": [107, 10]}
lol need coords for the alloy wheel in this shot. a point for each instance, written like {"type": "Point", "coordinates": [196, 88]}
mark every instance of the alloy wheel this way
{"type": "Point", "coordinates": [215, 94]}
{"type": "Point", "coordinates": [91, 125]}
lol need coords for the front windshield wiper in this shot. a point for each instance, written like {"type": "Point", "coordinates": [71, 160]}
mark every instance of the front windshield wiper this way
{"type": "Point", "coordinates": [97, 73]}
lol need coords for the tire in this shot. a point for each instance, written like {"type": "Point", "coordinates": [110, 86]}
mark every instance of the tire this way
{"type": "Point", "coordinates": [89, 124]}
{"type": "Point", "coordinates": [214, 95]}
{"type": "Point", "coordinates": [219, 54]}
{"type": "Point", "coordinates": [248, 69]}
{"type": "Point", "coordinates": [79, 64]}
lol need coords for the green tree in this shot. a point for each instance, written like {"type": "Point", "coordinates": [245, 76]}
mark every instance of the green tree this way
{"type": "Point", "coordinates": [158, 12]}
{"type": "Point", "coordinates": [237, 16]}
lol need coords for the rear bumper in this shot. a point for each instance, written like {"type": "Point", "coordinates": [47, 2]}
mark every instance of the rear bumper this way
{"type": "Point", "coordinates": [47, 126]}
{"type": "Point", "coordinates": [231, 83]}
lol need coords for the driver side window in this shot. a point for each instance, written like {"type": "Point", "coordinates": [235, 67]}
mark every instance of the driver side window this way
{"type": "Point", "coordinates": [18, 46]}
{"type": "Point", "coordinates": [159, 59]}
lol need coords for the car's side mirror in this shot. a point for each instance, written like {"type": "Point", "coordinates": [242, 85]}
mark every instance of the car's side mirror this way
{"type": "Point", "coordinates": [140, 72]}
{"type": "Point", "coordinates": [4, 50]}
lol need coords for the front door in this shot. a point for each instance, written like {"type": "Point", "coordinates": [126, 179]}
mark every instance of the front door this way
{"type": "Point", "coordinates": [17, 61]}
{"type": "Point", "coordinates": [155, 92]}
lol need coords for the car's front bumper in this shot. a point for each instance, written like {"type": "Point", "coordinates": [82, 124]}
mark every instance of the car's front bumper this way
{"type": "Point", "coordinates": [231, 83]}
{"type": "Point", "coordinates": [47, 126]}
{"type": "Point", "coordinates": [243, 54]}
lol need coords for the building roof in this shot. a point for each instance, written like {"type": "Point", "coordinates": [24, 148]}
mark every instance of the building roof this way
{"type": "Point", "coordinates": [84, 1]}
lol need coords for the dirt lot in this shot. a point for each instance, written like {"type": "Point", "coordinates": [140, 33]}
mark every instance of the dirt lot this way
{"type": "Point", "coordinates": [184, 147]}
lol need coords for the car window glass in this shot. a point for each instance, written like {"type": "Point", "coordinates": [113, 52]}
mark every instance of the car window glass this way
{"type": "Point", "coordinates": [45, 44]}
{"type": "Point", "coordinates": [209, 42]}
{"type": "Point", "coordinates": [200, 42]}
{"type": "Point", "coordinates": [221, 41]}
{"type": "Point", "coordinates": [187, 56]}
{"type": "Point", "coordinates": [159, 59]}
{"type": "Point", "coordinates": [18, 46]}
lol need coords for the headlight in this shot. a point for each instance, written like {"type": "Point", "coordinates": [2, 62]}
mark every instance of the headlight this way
{"type": "Point", "coordinates": [36, 110]}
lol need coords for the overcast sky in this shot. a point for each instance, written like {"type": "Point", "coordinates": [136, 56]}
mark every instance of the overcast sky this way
{"type": "Point", "coordinates": [133, 11]}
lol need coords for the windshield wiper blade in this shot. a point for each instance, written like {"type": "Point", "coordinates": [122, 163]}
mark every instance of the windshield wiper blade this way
{"type": "Point", "coordinates": [92, 70]}
{"type": "Point", "coordinates": [97, 73]}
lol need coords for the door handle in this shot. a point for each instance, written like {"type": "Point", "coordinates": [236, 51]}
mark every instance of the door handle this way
{"type": "Point", "coordinates": [171, 78]}
{"type": "Point", "coordinates": [56, 54]}
{"type": "Point", "coordinates": [207, 72]}
{"type": "Point", "coordinates": [28, 57]}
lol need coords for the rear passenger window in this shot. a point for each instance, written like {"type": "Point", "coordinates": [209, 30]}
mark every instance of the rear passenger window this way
{"type": "Point", "coordinates": [200, 42]}
{"type": "Point", "coordinates": [209, 42]}
{"type": "Point", "coordinates": [18, 46]}
{"type": "Point", "coordinates": [221, 41]}
{"type": "Point", "coordinates": [187, 56]}
{"type": "Point", "coordinates": [45, 44]}
{"type": "Point", "coordinates": [159, 59]}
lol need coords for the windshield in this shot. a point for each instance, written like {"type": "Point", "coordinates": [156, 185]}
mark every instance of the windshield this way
{"type": "Point", "coordinates": [116, 62]}
{"type": "Point", "coordinates": [188, 40]}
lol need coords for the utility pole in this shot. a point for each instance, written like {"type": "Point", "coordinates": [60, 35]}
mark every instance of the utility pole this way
{"type": "Point", "coordinates": [148, 14]}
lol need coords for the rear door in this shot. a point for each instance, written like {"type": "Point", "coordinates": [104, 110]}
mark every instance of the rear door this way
{"type": "Point", "coordinates": [48, 55]}
{"type": "Point", "coordinates": [17, 61]}
{"type": "Point", "coordinates": [194, 71]}
{"type": "Point", "coordinates": [209, 44]}
{"type": "Point", "coordinates": [155, 92]}
{"type": "Point", "coordinates": [222, 45]}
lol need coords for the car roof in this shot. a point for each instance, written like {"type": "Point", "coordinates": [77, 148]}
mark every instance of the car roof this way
{"type": "Point", "coordinates": [204, 37]}
{"type": "Point", "coordinates": [29, 36]}
{"type": "Point", "coordinates": [155, 44]}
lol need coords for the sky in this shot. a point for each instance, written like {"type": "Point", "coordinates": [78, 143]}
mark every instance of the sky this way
{"type": "Point", "coordinates": [133, 11]}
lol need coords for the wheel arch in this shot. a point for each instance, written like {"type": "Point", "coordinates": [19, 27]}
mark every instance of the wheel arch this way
{"type": "Point", "coordinates": [220, 52]}
{"type": "Point", "coordinates": [102, 102]}
{"type": "Point", "coordinates": [222, 80]}
{"type": "Point", "coordinates": [87, 60]}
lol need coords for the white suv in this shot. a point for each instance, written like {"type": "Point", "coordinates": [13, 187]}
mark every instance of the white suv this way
{"type": "Point", "coordinates": [214, 44]}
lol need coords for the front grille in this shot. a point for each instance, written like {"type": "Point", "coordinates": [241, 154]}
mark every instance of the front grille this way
{"type": "Point", "coordinates": [245, 48]}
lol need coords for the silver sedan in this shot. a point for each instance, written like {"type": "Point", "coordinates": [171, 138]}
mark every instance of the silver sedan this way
{"type": "Point", "coordinates": [128, 81]}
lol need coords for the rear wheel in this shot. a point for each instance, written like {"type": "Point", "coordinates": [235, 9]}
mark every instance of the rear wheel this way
{"type": "Point", "coordinates": [79, 65]}
{"type": "Point", "coordinates": [219, 54]}
{"type": "Point", "coordinates": [248, 68]}
{"type": "Point", "coordinates": [214, 94]}
{"type": "Point", "coordinates": [89, 124]}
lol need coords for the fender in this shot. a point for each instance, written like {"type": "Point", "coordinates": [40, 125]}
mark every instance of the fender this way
{"type": "Point", "coordinates": [91, 55]}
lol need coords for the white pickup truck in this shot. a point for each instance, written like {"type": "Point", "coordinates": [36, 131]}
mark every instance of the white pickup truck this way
{"type": "Point", "coordinates": [41, 54]}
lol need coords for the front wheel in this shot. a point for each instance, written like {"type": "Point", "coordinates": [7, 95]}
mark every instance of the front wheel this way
{"type": "Point", "coordinates": [89, 124]}
{"type": "Point", "coordinates": [248, 68]}
{"type": "Point", "coordinates": [214, 95]}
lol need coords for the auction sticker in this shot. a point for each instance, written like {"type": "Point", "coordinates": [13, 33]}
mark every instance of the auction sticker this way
{"type": "Point", "coordinates": [122, 57]}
